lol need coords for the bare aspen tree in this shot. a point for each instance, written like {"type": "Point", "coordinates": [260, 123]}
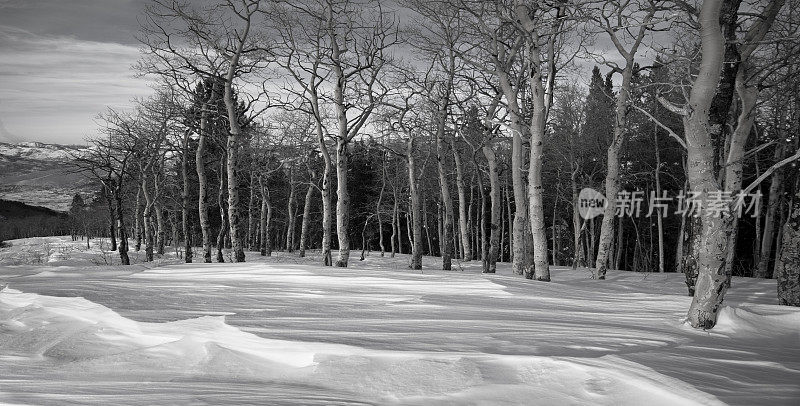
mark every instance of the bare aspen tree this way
{"type": "Point", "coordinates": [406, 119]}
{"type": "Point", "coordinates": [307, 210]}
{"type": "Point", "coordinates": [541, 99]}
{"type": "Point", "coordinates": [626, 27]}
{"type": "Point", "coordinates": [499, 44]}
{"type": "Point", "coordinates": [214, 41]}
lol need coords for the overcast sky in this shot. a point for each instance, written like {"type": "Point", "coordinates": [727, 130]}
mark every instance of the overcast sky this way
{"type": "Point", "coordinates": [61, 63]}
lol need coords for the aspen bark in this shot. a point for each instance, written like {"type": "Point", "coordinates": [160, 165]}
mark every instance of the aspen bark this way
{"type": "Point", "coordinates": [222, 214]}
{"type": "Point", "coordinates": [775, 187]}
{"type": "Point", "coordinates": [202, 184]}
{"type": "Point", "coordinates": [343, 201]}
{"type": "Point", "coordinates": [265, 219]}
{"type": "Point", "coordinates": [147, 223]}
{"type": "Point", "coordinates": [187, 234]}
{"type": "Point", "coordinates": [395, 221]}
{"type": "Point", "coordinates": [711, 280]}
{"type": "Point", "coordinates": [416, 213]}
{"type": "Point", "coordinates": [462, 209]}
{"type": "Point", "coordinates": [233, 148]}
{"type": "Point", "coordinates": [251, 224]}
{"type": "Point", "coordinates": [612, 174]}
{"type": "Point", "coordinates": [496, 205]}
{"type": "Point", "coordinates": [112, 222]}
{"type": "Point", "coordinates": [291, 214]}
{"type": "Point", "coordinates": [327, 216]}
{"type": "Point", "coordinates": [519, 257]}
{"type": "Point", "coordinates": [541, 268]}
{"type": "Point", "coordinates": [306, 215]}
{"type": "Point", "coordinates": [137, 227]}
{"type": "Point", "coordinates": [446, 234]}
{"type": "Point", "coordinates": [787, 265]}
{"type": "Point", "coordinates": [160, 228]}
{"type": "Point", "coordinates": [378, 204]}
{"type": "Point", "coordinates": [122, 246]}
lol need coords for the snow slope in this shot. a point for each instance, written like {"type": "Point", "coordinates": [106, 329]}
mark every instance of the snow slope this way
{"type": "Point", "coordinates": [285, 331]}
{"type": "Point", "coordinates": [40, 175]}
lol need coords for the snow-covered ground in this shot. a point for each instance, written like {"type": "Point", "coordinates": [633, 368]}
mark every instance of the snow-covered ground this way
{"type": "Point", "coordinates": [283, 330]}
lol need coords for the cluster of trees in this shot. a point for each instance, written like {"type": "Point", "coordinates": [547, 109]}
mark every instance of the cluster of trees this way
{"type": "Point", "coordinates": [19, 220]}
{"type": "Point", "coordinates": [456, 128]}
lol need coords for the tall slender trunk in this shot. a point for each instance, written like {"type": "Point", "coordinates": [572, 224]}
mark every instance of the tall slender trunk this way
{"type": "Point", "coordinates": [137, 227]}
{"type": "Point", "coordinates": [496, 206]}
{"type": "Point", "coordinates": [112, 228]}
{"type": "Point", "coordinates": [223, 216]}
{"type": "Point", "coordinates": [187, 234]}
{"type": "Point", "coordinates": [147, 222]}
{"type": "Point", "coordinates": [519, 256]}
{"type": "Point", "coordinates": [427, 229]}
{"type": "Point", "coordinates": [306, 214]}
{"type": "Point", "coordinates": [159, 211]}
{"type": "Point", "coordinates": [659, 214]}
{"type": "Point", "coordinates": [416, 213]}
{"type": "Point", "coordinates": [482, 222]}
{"type": "Point", "coordinates": [463, 215]}
{"type": "Point", "coordinates": [395, 221]}
{"type": "Point", "coordinates": [234, 215]}
{"type": "Point", "coordinates": [612, 174]}
{"type": "Point", "coordinates": [541, 268]}
{"type": "Point", "coordinates": [266, 219]}
{"type": "Point", "coordinates": [787, 264]}
{"type": "Point", "coordinates": [620, 246]}
{"type": "Point", "coordinates": [291, 209]}
{"type": "Point", "coordinates": [555, 233]}
{"type": "Point", "coordinates": [251, 223]}
{"type": "Point", "coordinates": [161, 229]}
{"type": "Point", "coordinates": [202, 184]}
{"type": "Point", "coordinates": [734, 168]}
{"type": "Point", "coordinates": [233, 146]}
{"type": "Point", "coordinates": [380, 201]}
{"type": "Point", "coordinates": [123, 240]}
{"type": "Point", "coordinates": [446, 209]}
{"type": "Point", "coordinates": [342, 202]}
{"type": "Point", "coordinates": [502, 253]}
{"type": "Point", "coordinates": [711, 280]}
{"type": "Point", "coordinates": [327, 216]}
{"type": "Point", "coordinates": [775, 187]}
{"type": "Point", "coordinates": [590, 242]}
{"type": "Point", "coordinates": [579, 259]}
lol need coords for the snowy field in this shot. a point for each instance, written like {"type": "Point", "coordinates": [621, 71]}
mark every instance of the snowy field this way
{"type": "Point", "coordinates": [77, 329]}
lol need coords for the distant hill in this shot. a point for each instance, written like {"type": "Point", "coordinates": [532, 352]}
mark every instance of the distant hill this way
{"type": "Point", "coordinates": [19, 220]}
{"type": "Point", "coordinates": [14, 210]}
{"type": "Point", "coordinates": [40, 175]}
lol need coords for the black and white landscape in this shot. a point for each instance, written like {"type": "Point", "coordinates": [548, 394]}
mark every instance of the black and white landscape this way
{"type": "Point", "coordinates": [587, 202]}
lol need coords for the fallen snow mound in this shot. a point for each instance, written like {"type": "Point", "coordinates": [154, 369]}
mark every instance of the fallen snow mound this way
{"type": "Point", "coordinates": [78, 337]}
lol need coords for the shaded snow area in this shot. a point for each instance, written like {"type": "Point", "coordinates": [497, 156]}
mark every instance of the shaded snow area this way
{"type": "Point", "coordinates": [284, 330]}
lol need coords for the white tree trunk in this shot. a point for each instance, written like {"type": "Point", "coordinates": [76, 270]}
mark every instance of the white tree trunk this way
{"type": "Point", "coordinates": [776, 184]}
{"type": "Point", "coordinates": [496, 204]}
{"type": "Point", "coordinates": [306, 216]}
{"type": "Point", "coordinates": [416, 215]}
{"type": "Point", "coordinates": [342, 202]}
{"type": "Point", "coordinates": [787, 265]}
{"type": "Point", "coordinates": [711, 279]}
{"type": "Point", "coordinates": [462, 208]}
{"type": "Point", "coordinates": [202, 185]}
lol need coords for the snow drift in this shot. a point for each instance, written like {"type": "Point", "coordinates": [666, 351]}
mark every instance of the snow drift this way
{"type": "Point", "coordinates": [83, 339]}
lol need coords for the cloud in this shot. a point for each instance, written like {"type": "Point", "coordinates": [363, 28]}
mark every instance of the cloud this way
{"type": "Point", "coordinates": [51, 87]}
{"type": "Point", "coordinates": [90, 20]}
